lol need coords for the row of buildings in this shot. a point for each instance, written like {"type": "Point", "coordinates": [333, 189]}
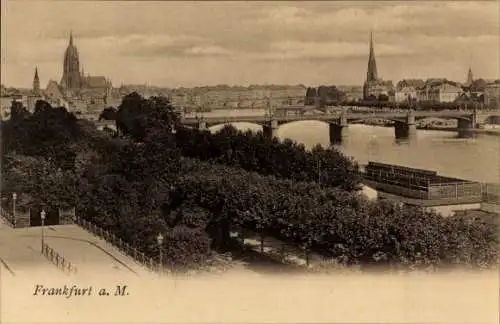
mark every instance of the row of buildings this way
{"type": "Point", "coordinates": [430, 90]}
{"type": "Point", "coordinates": [88, 95]}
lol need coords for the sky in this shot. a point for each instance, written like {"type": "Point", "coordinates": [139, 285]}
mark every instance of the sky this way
{"type": "Point", "coordinates": [176, 44]}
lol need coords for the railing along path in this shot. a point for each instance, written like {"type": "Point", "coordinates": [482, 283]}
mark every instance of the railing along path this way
{"type": "Point", "coordinates": [118, 243]}
{"type": "Point", "coordinates": [58, 260]}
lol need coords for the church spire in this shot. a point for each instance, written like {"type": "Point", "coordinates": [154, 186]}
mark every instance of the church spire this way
{"type": "Point", "coordinates": [371, 74]}
{"type": "Point", "coordinates": [470, 78]}
{"type": "Point", "coordinates": [36, 82]}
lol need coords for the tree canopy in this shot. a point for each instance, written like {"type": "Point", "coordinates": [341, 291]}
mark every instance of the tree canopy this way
{"type": "Point", "coordinates": [197, 187]}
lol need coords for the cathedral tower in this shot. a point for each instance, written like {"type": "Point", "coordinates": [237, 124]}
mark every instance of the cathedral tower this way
{"type": "Point", "coordinates": [371, 74]}
{"type": "Point", "coordinates": [36, 82]}
{"type": "Point", "coordinates": [71, 78]}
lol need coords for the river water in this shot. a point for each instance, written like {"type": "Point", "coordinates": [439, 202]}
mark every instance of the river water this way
{"type": "Point", "coordinates": [475, 159]}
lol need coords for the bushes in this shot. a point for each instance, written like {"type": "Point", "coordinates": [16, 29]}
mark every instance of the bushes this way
{"type": "Point", "coordinates": [255, 152]}
{"type": "Point", "coordinates": [39, 179]}
{"type": "Point", "coordinates": [186, 247]}
{"type": "Point", "coordinates": [336, 223]}
{"type": "Point", "coordinates": [151, 121]}
{"type": "Point", "coordinates": [137, 190]}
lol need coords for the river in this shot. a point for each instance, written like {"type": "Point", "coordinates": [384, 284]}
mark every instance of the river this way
{"type": "Point", "coordinates": [475, 159]}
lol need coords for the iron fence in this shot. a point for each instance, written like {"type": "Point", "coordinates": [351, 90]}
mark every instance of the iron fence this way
{"type": "Point", "coordinates": [58, 260]}
{"type": "Point", "coordinates": [118, 243]}
{"type": "Point", "coordinates": [491, 192]}
{"type": "Point", "coordinates": [8, 217]}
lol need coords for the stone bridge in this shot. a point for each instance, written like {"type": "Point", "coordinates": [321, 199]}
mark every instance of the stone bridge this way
{"type": "Point", "coordinates": [404, 121]}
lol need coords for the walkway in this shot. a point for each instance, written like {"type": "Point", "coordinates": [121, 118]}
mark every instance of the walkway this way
{"type": "Point", "coordinates": [281, 251]}
{"type": "Point", "coordinates": [20, 249]}
{"type": "Point", "coordinates": [351, 116]}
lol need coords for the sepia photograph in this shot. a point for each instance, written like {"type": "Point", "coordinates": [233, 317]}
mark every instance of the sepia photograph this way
{"type": "Point", "coordinates": [250, 162]}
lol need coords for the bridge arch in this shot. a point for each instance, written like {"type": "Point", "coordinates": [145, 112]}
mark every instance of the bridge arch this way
{"type": "Point", "coordinates": [248, 125]}
{"type": "Point", "coordinates": [289, 122]}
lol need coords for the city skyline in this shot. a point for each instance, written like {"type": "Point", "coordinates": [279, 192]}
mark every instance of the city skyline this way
{"type": "Point", "coordinates": [179, 44]}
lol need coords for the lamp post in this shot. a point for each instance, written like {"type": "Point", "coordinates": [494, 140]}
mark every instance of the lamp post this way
{"type": "Point", "coordinates": [319, 172]}
{"type": "Point", "coordinates": [14, 197]}
{"type": "Point", "coordinates": [159, 240]}
{"type": "Point", "coordinates": [42, 216]}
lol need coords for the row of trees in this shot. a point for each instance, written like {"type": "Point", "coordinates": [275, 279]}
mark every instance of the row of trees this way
{"type": "Point", "coordinates": [208, 201]}
{"type": "Point", "coordinates": [139, 185]}
{"type": "Point", "coordinates": [155, 120]}
{"type": "Point", "coordinates": [283, 159]}
{"type": "Point", "coordinates": [336, 223]}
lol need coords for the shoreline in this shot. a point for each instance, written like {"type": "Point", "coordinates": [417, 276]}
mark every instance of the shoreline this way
{"type": "Point", "coordinates": [492, 132]}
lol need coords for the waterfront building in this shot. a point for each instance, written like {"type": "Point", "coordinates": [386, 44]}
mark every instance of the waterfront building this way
{"type": "Point", "coordinates": [351, 93]}
{"type": "Point", "coordinates": [447, 91]}
{"type": "Point", "coordinates": [407, 90]}
{"type": "Point", "coordinates": [492, 94]}
{"type": "Point", "coordinates": [439, 90]}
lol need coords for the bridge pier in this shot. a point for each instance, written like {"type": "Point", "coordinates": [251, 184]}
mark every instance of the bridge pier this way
{"type": "Point", "coordinates": [202, 125]}
{"type": "Point", "coordinates": [270, 129]}
{"type": "Point", "coordinates": [338, 130]}
{"type": "Point", "coordinates": [465, 128]}
{"type": "Point", "coordinates": [406, 129]}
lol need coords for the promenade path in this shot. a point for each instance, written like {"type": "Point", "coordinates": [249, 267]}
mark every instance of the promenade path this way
{"type": "Point", "coordinates": [280, 250]}
{"type": "Point", "coordinates": [20, 251]}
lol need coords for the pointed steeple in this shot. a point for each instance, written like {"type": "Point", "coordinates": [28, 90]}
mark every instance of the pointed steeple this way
{"type": "Point", "coordinates": [36, 82]}
{"type": "Point", "coordinates": [371, 74]}
{"type": "Point", "coordinates": [470, 78]}
{"type": "Point", "coordinates": [71, 78]}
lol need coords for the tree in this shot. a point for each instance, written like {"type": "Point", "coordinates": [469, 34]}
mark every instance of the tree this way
{"type": "Point", "coordinates": [108, 113]}
{"type": "Point", "coordinates": [146, 119]}
{"type": "Point", "coordinates": [39, 180]}
{"type": "Point", "coordinates": [50, 132]}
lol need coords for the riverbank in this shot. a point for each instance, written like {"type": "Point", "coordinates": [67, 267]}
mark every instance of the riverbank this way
{"type": "Point", "coordinates": [445, 127]}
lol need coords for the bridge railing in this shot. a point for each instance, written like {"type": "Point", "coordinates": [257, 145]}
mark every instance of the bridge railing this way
{"type": "Point", "coordinates": [58, 260]}
{"type": "Point", "coordinates": [491, 192]}
{"type": "Point", "coordinates": [119, 244]}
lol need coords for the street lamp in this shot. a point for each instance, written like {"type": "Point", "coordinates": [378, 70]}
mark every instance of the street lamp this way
{"type": "Point", "coordinates": [319, 172]}
{"type": "Point", "coordinates": [42, 216]}
{"type": "Point", "coordinates": [14, 197]}
{"type": "Point", "coordinates": [159, 239]}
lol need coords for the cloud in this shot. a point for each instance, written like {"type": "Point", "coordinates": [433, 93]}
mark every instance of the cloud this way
{"type": "Point", "coordinates": [208, 51]}
{"type": "Point", "coordinates": [330, 50]}
{"type": "Point", "coordinates": [249, 41]}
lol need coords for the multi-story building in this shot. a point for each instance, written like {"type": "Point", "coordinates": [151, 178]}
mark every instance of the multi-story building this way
{"type": "Point", "coordinates": [352, 93]}
{"type": "Point", "coordinates": [492, 94]}
{"type": "Point", "coordinates": [407, 90]}
{"type": "Point", "coordinates": [439, 91]}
